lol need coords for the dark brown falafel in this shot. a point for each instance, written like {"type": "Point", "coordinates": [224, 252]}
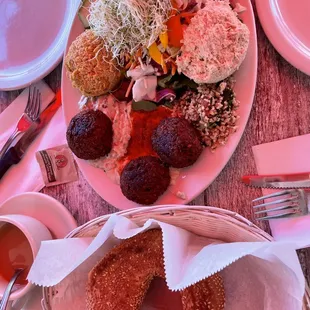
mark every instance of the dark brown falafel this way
{"type": "Point", "coordinates": [90, 134]}
{"type": "Point", "coordinates": [144, 179]}
{"type": "Point", "coordinates": [176, 142]}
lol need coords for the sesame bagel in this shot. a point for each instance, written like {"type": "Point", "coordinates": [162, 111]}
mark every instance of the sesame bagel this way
{"type": "Point", "coordinates": [121, 279]}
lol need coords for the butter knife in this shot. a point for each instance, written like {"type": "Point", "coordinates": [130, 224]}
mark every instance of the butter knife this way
{"type": "Point", "coordinates": [297, 180]}
{"type": "Point", "coordinates": [14, 154]}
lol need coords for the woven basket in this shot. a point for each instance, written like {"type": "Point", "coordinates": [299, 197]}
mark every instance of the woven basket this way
{"type": "Point", "coordinates": [209, 222]}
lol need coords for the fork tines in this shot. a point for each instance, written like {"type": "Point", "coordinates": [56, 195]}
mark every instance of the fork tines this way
{"type": "Point", "coordinates": [33, 104]}
{"type": "Point", "coordinates": [291, 202]}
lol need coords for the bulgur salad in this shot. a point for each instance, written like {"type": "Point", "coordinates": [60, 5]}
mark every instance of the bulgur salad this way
{"type": "Point", "coordinates": [157, 86]}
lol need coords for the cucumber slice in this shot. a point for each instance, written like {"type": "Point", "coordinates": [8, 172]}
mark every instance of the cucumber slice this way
{"type": "Point", "coordinates": [83, 13]}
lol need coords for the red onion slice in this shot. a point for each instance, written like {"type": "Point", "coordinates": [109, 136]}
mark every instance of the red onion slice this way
{"type": "Point", "coordinates": [167, 94]}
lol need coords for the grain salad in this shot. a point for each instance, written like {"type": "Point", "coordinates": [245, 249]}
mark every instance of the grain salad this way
{"type": "Point", "coordinates": [212, 110]}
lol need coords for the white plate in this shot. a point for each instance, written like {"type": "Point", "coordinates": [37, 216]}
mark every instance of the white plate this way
{"type": "Point", "coordinates": [53, 215]}
{"type": "Point", "coordinates": [33, 35]}
{"type": "Point", "coordinates": [197, 178]}
{"type": "Point", "coordinates": [286, 24]}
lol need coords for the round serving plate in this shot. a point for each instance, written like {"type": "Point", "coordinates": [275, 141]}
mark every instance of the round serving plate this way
{"type": "Point", "coordinates": [33, 35]}
{"type": "Point", "coordinates": [195, 179]}
{"type": "Point", "coordinates": [286, 24]}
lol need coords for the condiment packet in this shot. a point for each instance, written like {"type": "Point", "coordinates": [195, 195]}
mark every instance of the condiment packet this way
{"type": "Point", "coordinates": [57, 165]}
{"type": "Point", "coordinates": [257, 275]}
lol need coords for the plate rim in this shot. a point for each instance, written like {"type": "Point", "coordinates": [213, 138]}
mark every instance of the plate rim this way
{"type": "Point", "coordinates": [278, 39]}
{"type": "Point", "coordinates": [84, 166]}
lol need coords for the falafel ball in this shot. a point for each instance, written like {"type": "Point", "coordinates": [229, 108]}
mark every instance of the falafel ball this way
{"type": "Point", "coordinates": [144, 179]}
{"type": "Point", "coordinates": [176, 142]}
{"type": "Point", "coordinates": [90, 66]}
{"type": "Point", "coordinates": [90, 134]}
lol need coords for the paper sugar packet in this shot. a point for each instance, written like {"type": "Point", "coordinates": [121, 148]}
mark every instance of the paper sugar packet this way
{"type": "Point", "coordinates": [57, 165]}
{"type": "Point", "coordinates": [257, 275]}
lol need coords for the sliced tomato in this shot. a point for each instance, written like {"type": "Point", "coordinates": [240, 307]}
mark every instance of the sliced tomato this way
{"type": "Point", "coordinates": [175, 31]}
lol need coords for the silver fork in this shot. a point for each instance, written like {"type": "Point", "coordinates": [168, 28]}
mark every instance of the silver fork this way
{"type": "Point", "coordinates": [29, 116]}
{"type": "Point", "coordinates": [290, 203]}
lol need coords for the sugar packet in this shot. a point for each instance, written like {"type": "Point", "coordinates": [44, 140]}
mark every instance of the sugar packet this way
{"type": "Point", "coordinates": [57, 165]}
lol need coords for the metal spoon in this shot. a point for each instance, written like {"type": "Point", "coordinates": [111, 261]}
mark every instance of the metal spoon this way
{"type": "Point", "coordinates": [7, 292]}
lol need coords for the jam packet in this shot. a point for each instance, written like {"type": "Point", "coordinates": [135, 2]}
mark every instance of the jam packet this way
{"type": "Point", "coordinates": [57, 165]}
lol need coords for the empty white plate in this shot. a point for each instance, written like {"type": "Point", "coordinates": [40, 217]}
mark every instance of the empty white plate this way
{"type": "Point", "coordinates": [286, 24]}
{"type": "Point", "coordinates": [33, 36]}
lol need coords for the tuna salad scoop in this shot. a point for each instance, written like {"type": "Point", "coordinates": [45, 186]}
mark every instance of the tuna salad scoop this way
{"type": "Point", "coordinates": [214, 45]}
{"type": "Point", "coordinates": [90, 66]}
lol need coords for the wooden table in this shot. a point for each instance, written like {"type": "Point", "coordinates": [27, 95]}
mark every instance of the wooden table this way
{"type": "Point", "coordinates": [281, 110]}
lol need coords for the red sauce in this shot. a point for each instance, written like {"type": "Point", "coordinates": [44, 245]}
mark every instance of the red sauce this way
{"type": "Point", "coordinates": [143, 125]}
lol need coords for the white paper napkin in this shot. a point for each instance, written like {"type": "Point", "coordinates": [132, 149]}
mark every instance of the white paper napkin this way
{"type": "Point", "coordinates": [267, 273]}
{"type": "Point", "coordinates": [26, 176]}
{"type": "Point", "coordinates": [283, 157]}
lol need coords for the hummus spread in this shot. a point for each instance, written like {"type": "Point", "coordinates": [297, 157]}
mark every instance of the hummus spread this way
{"type": "Point", "coordinates": [119, 113]}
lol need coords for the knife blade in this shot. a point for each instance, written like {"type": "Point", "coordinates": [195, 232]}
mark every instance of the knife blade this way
{"type": "Point", "coordinates": [15, 153]}
{"type": "Point", "coordinates": [296, 180]}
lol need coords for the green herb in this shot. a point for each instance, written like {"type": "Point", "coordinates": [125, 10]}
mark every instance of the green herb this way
{"type": "Point", "coordinates": [168, 105]}
{"type": "Point", "coordinates": [185, 81]}
{"type": "Point", "coordinates": [211, 125]}
{"type": "Point", "coordinates": [177, 82]}
{"type": "Point", "coordinates": [229, 96]}
{"type": "Point", "coordinates": [143, 105]}
{"type": "Point", "coordinates": [164, 81]}
{"type": "Point", "coordinates": [214, 124]}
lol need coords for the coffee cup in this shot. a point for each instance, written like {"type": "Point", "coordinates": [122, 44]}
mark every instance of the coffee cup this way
{"type": "Point", "coordinates": [15, 232]}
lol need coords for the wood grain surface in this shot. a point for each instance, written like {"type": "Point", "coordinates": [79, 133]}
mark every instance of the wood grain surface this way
{"type": "Point", "coordinates": [281, 110]}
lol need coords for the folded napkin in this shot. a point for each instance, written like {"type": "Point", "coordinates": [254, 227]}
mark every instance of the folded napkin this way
{"type": "Point", "coordinates": [26, 176]}
{"type": "Point", "coordinates": [256, 275]}
{"type": "Point", "coordinates": [285, 157]}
